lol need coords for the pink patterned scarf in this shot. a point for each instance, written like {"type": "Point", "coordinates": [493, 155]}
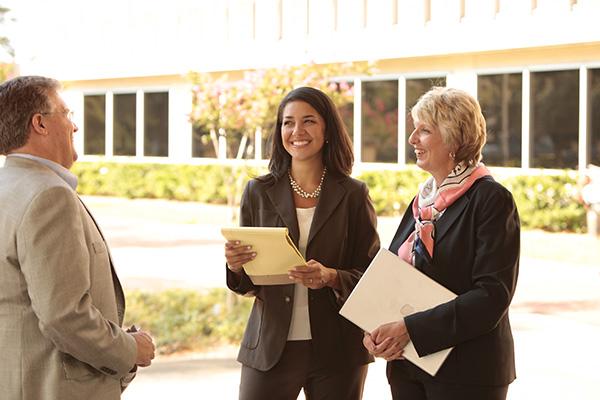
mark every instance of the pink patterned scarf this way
{"type": "Point", "coordinates": [430, 204]}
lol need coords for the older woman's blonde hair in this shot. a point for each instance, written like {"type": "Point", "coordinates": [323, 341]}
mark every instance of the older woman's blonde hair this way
{"type": "Point", "coordinates": [458, 117]}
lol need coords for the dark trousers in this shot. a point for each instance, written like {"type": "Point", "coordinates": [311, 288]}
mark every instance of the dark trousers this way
{"type": "Point", "coordinates": [294, 371]}
{"type": "Point", "coordinates": [405, 387]}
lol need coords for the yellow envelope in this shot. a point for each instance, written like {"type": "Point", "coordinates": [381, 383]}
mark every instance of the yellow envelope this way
{"type": "Point", "coordinates": [276, 254]}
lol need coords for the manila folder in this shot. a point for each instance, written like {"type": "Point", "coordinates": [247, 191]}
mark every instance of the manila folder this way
{"type": "Point", "coordinates": [389, 290]}
{"type": "Point", "coordinates": [275, 253]}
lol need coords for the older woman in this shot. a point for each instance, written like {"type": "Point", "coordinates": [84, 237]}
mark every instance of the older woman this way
{"type": "Point", "coordinates": [462, 230]}
{"type": "Point", "coordinates": [295, 337]}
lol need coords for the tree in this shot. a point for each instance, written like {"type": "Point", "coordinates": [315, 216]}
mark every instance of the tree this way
{"type": "Point", "coordinates": [6, 69]}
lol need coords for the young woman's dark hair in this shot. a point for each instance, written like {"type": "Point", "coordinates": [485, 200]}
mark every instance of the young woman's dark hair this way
{"type": "Point", "coordinates": [337, 150]}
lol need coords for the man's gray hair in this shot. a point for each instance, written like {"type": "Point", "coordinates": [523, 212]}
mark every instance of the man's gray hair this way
{"type": "Point", "coordinates": [20, 99]}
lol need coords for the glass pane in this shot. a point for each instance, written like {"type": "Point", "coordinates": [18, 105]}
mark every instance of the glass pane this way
{"type": "Point", "coordinates": [500, 100]}
{"type": "Point", "coordinates": [594, 115]}
{"type": "Point", "coordinates": [380, 121]}
{"type": "Point", "coordinates": [94, 124]}
{"type": "Point", "coordinates": [267, 143]}
{"type": "Point", "coordinates": [156, 124]}
{"type": "Point", "coordinates": [202, 144]}
{"type": "Point", "coordinates": [554, 119]}
{"type": "Point", "coordinates": [124, 124]}
{"type": "Point", "coordinates": [347, 114]}
{"type": "Point", "coordinates": [415, 88]}
{"type": "Point", "coordinates": [234, 141]}
{"type": "Point", "coordinates": [347, 110]}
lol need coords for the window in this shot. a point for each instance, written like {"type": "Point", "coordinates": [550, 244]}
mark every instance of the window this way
{"type": "Point", "coordinates": [236, 144]}
{"type": "Point", "coordinates": [380, 121]}
{"type": "Point", "coordinates": [124, 113]}
{"type": "Point", "coordinates": [345, 89]}
{"type": "Point", "coordinates": [202, 144]}
{"type": "Point", "coordinates": [347, 114]}
{"type": "Point", "coordinates": [500, 100]}
{"type": "Point", "coordinates": [241, 20]}
{"type": "Point", "coordinates": [415, 88]}
{"type": "Point", "coordinates": [554, 117]}
{"type": "Point", "coordinates": [294, 17]}
{"type": "Point", "coordinates": [94, 125]}
{"type": "Point", "coordinates": [156, 124]}
{"type": "Point", "coordinates": [350, 15]}
{"type": "Point", "coordinates": [321, 16]}
{"type": "Point", "coordinates": [594, 116]}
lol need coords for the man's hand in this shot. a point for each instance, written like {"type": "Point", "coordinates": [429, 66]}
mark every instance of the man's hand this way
{"type": "Point", "coordinates": [145, 348]}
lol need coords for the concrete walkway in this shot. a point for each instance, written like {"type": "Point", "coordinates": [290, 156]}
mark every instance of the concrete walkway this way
{"type": "Point", "coordinates": [156, 245]}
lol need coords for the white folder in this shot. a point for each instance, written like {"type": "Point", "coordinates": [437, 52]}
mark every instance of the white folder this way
{"type": "Point", "coordinates": [389, 290]}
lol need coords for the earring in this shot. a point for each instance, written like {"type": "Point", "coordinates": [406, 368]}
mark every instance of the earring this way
{"type": "Point", "coordinates": [452, 155]}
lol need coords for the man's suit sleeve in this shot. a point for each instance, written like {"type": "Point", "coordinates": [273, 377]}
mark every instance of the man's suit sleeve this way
{"type": "Point", "coordinates": [55, 261]}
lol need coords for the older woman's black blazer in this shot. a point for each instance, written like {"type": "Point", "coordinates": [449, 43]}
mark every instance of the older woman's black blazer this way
{"type": "Point", "coordinates": [476, 255]}
{"type": "Point", "coordinates": [343, 235]}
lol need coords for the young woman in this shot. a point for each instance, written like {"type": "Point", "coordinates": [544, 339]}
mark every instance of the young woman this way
{"type": "Point", "coordinates": [295, 337]}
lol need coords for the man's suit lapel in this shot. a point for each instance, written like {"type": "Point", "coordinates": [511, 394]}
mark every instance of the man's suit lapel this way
{"type": "Point", "coordinates": [116, 283]}
{"type": "Point", "coordinates": [331, 195]}
{"type": "Point", "coordinates": [280, 195]}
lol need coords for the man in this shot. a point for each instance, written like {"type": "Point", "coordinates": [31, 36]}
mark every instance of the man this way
{"type": "Point", "coordinates": [61, 303]}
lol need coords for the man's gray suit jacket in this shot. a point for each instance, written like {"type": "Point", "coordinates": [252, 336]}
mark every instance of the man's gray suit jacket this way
{"type": "Point", "coordinates": [61, 303]}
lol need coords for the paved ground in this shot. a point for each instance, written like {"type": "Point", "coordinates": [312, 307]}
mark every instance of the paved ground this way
{"type": "Point", "coordinates": [555, 313]}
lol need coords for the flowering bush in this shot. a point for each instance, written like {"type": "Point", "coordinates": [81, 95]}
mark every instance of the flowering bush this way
{"type": "Point", "coordinates": [7, 71]}
{"type": "Point", "coordinates": [237, 108]}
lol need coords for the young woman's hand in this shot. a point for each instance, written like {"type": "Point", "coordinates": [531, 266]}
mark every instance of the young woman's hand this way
{"type": "Point", "coordinates": [315, 275]}
{"type": "Point", "coordinates": [237, 255]}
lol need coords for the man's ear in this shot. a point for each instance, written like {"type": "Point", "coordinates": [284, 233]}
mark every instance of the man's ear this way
{"type": "Point", "coordinates": [38, 124]}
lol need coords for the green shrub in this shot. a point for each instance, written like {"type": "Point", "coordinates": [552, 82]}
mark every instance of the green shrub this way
{"type": "Point", "coordinates": [182, 320]}
{"type": "Point", "coordinates": [203, 183]}
{"type": "Point", "coordinates": [544, 202]}
{"type": "Point", "coordinates": [392, 191]}
{"type": "Point", "coordinates": [547, 202]}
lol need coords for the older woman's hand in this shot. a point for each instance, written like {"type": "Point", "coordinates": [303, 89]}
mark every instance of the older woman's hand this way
{"type": "Point", "coordinates": [385, 349]}
{"type": "Point", "coordinates": [314, 275]}
{"type": "Point", "coordinates": [237, 255]}
{"type": "Point", "coordinates": [388, 341]}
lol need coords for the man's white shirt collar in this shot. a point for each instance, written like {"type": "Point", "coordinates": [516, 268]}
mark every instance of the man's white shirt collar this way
{"type": "Point", "coordinates": [61, 171]}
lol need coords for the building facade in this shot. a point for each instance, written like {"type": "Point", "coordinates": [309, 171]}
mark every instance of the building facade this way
{"type": "Point", "coordinates": [534, 65]}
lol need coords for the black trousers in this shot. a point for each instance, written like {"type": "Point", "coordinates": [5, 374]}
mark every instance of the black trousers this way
{"type": "Point", "coordinates": [294, 371]}
{"type": "Point", "coordinates": [407, 387]}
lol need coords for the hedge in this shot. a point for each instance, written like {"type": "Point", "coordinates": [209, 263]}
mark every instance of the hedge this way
{"type": "Point", "coordinates": [188, 320]}
{"type": "Point", "coordinates": [547, 202]}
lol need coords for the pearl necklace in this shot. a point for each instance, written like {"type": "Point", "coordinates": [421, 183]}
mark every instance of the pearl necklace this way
{"type": "Point", "coordinates": [301, 192]}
